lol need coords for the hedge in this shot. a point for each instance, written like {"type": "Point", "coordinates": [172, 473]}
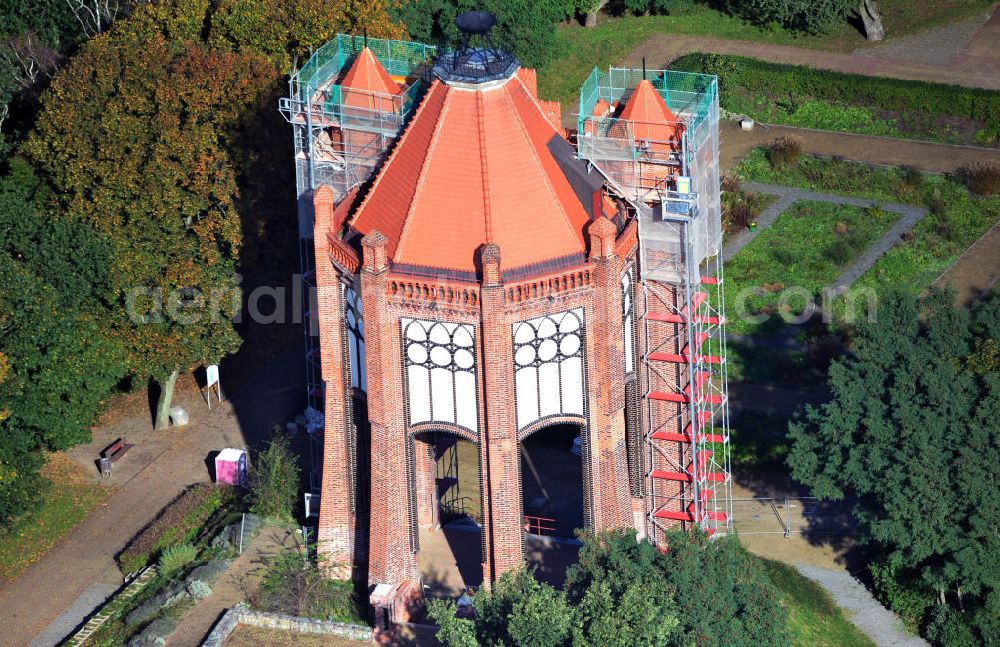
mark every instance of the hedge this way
{"type": "Point", "coordinates": [775, 79]}
{"type": "Point", "coordinates": [181, 521]}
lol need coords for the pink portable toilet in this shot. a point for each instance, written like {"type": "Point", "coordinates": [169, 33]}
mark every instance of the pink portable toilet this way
{"type": "Point", "coordinates": [231, 467]}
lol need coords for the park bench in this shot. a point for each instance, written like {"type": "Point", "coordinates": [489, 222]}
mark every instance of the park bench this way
{"type": "Point", "coordinates": [116, 450]}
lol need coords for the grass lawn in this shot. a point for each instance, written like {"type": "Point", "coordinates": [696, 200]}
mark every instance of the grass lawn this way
{"type": "Point", "coordinates": [582, 49]}
{"type": "Point", "coordinates": [813, 618]}
{"type": "Point", "coordinates": [804, 251]}
{"type": "Point", "coordinates": [68, 500]}
{"type": "Point", "coordinates": [956, 219]}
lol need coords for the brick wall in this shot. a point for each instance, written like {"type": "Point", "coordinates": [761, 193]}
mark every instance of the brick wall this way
{"type": "Point", "coordinates": [401, 470]}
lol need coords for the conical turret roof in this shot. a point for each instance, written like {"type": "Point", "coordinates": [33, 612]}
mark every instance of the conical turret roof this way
{"type": "Point", "coordinates": [651, 119]}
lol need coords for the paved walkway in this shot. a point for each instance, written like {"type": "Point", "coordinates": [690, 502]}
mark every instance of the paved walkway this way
{"type": "Point", "coordinates": [86, 555]}
{"type": "Point", "coordinates": [909, 216]}
{"type": "Point", "coordinates": [881, 625]}
{"type": "Point", "coordinates": [977, 65]}
{"type": "Point", "coordinates": [977, 270]}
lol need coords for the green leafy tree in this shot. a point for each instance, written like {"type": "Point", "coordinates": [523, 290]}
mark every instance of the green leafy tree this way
{"type": "Point", "coordinates": [129, 138]}
{"type": "Point", "coordinates": [59, 364]}
{"type": "Point", "coordinates": [452, 630]}
{"type": "Point", "coordinates": [518, 611]}
{"type": "Point", "coordinates": [913, 430]}
{"type": "Point", "coordinates": [525, 27]}
{"type": "Point", "coordinates": [627, 593]}
{"type": "Point", "coordinates": [619, 594]}
{"type": "Point", "coordinates": [274, 480]}
{"type": "Point", "coordinates": [809, 16]}
{"type": "Point", "coordinates": [723, 594]}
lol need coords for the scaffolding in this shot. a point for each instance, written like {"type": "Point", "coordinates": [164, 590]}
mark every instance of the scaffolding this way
{"type": "Point", "coordinates": [673, 185]}
{"type": "Point", "coordinates": [340, 137]}
{"type": "Point", "coordinates": [341, 134]}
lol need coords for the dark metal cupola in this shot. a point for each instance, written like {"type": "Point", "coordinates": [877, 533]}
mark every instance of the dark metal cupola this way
{"type": "Point", "coordinates": [478, 60]}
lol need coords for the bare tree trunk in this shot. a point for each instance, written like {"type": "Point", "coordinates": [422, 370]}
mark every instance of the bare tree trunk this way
{"type": "Point", "coordinates": [591, 19]}
{"type": "Point", "coordinates": [163, 403]}
{"type": "Point", "coordinates": [961, 603]}
{"type": "Point", "coordinates": [872, 20]}
{"type": "Point", "coordinates": [941, 599]}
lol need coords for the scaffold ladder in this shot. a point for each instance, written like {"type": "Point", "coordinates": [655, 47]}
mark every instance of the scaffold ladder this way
{"type": "Point", "coordinates": [685, 401]}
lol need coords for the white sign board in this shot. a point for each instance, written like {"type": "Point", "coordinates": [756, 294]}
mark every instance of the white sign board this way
{"type": "Point", "coordinates": [212, 384]}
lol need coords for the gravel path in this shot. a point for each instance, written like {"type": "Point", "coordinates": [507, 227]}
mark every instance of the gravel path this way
{"type": "Point", "coordinates": [937, 46]}
{"type": "Point", "coordinates": [878, 623]}
{"type": "Point", "coordinates": [909, 216]}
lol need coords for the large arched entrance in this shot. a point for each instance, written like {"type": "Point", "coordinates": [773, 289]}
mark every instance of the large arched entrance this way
{"type": "Point", "coordinates": [553, 496]}
{"type": "Point", "coordinates": [448, 503]}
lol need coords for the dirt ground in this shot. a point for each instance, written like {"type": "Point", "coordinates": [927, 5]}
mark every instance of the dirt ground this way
{"type": "Point", "coordinates": [976, 271]}
{"type": "Point", "coordinates": [821, 534]}
{"type": "Point", "coordinates": [247, 636]}
{"type": "Point", "coordinates": [974, 62]}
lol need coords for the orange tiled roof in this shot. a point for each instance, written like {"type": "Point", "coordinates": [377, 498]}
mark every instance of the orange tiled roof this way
{"type": "Point", "coordinates": [474, 167]}
{"type": "Point", "coordinates": [651, 119]}
{"type": "Point", "coordinates": [364, 80]}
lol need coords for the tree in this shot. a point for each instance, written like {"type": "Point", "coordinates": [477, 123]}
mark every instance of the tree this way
{"type": "Point", "coordinates": [519, 611]}
{"type": "Point", "coordinates": [810, 16]}
{"type": "Point", "coordinates": [524, 27]}
{"type": "Point", "coordinates": [619, 594]}
{"type": "Point", "coordinates": [623, 593]}
{"type": "Point", "coordinates": [871, 18]}
{"type": "Point", "coordinates": [723, 594]}
{"type": "Point", "coordinates": [129, 138]}
{"type": "Point", "coordinates": [58, 363]}
{"type": "Point", "coordinates": [913, 430]}
{"type": "Point", "coordinates": [274, 480]}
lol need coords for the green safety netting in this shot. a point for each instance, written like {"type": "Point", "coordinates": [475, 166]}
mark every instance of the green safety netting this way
{"type": "Point", "coordinates": [691, 96]}
{"type": "Point", "coordinates": [399, 58]}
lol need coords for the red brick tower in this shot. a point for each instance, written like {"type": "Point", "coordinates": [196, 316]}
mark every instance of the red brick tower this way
{"type": "Point", "coordinates": [484, 282]}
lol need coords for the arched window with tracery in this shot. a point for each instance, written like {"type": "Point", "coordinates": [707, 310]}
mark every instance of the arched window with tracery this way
{"type": "Point", "coordinates": [548, 364]}
{"type": "Point", "coordinates": [440, 364]}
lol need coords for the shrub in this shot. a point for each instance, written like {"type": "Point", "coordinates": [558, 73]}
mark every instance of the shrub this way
{"type": "Point", "coordinates": [899, 591]}
{"type": "Point", "coordinates": [198, 589]}
{"type": "Point", "coordinates": [295, 585]}
{"type": "Point", "coordinates": [912, 177]}
{"type": "Point", "coordinates": [179, 522]}
{"type": "Point", "coordinates": [274, 480]}
{"type": "Point", "coordinates": [949, 628]}
{"type": "Point", "coordinates": [155, 634]}
{"type": "Point", "coordinates": [983, 178]}
{"type": "Point", "coordinates": [174, 558]}
{"type": "Point", "coordinates": [880, 93]}
{"type": "Point", "coordinates": [784, 152]}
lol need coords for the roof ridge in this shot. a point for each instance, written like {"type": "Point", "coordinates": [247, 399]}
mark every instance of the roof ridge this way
{"type": "Point", "coordinates": [425, 164]}
{"type": "Point", "coordinates": [537, 156]}
{"type": "Point", "coordinates": [487, 211]}
{"type": "Point", "coordinates": [384, 170]}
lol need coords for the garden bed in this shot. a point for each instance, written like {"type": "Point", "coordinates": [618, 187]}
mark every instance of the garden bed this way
{"type": "Point", "coordinates": [794, 95]}
{"type": "Point", "coordinates": [957, 218]}
{"type": "Point", "coordinates": [789, 263]}
{"type": "Point", "coordinates": [193, 541]}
